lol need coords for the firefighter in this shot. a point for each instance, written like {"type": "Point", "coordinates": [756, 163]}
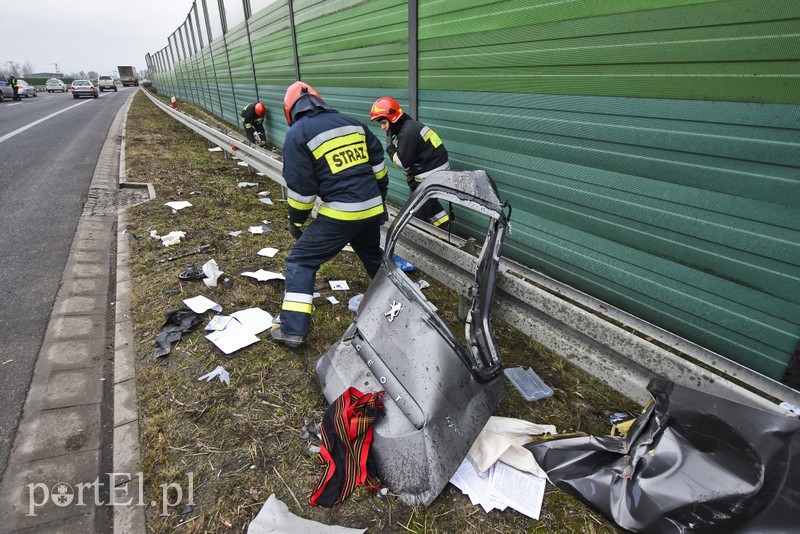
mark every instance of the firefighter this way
{"type": "Point", "coordinates": [416, 149]}
{"type": "Point", "coordinates": [253, 116]}
{"type": "Point", "coordinates": [332, 156]}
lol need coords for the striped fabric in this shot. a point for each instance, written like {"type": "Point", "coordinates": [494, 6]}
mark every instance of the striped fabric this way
{"type": "Point", "coordinates": [346, 438]}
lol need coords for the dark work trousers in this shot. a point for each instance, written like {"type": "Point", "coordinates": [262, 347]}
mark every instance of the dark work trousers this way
{"type": "Point", "coordinates": [251, 129]}
{"type": "Point", "coordinates": [322, 240]}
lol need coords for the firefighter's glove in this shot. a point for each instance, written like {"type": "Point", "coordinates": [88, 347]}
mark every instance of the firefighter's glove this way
{"type": "Point", "coordinates": [391, 149]}
{"type": "Point", "coordinates": [411, 181]}
{"type": "Point", "coordinates": [294, 230]}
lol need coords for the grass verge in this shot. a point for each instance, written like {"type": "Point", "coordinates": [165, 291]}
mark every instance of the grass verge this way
{"type": "Point", "coordinates": [238, 444]}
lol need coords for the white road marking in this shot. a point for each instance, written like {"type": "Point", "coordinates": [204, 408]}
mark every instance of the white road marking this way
{"type": "Point", "coordinates": [34, 123]}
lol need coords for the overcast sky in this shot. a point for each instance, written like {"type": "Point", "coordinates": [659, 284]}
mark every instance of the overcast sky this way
{"type": "Point", "coordinates": [87, 35]}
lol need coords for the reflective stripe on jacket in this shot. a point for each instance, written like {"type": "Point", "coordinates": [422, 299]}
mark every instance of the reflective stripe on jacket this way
{"type": "Point", "coordinates": [332, 156]}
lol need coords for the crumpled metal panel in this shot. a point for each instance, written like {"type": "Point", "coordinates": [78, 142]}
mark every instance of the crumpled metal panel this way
{"type": "Point", "coordinates": [439, 392]}
{"type": "Point", "coordinates": [693, 462]}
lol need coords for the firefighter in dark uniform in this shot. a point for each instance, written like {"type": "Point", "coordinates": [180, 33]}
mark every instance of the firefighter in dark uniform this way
{"type": "Point", "coordinates": [14, 87]}
{"type": "Point", "coordinates": [416, 149]}
{"type": "Point", "coordinates": [332, 156]}
{"type": "Point", "coordinates": [253, 118]}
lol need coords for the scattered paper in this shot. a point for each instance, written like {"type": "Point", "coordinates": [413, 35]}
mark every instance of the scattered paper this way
{"type": "Point", "coordinates": [220, 372]}
{"type": "Point", "coordinates": [201, 304]}
{"type": "Point", "coordinates": [275, 518]}
{"type": "Point", "coordinates": [503, 439]}
{"type": "Point", "coordinates": [262, 276]}
{"type": "Point", "coordinates": [212, 272]}
{"type": "Point", "coordinates": [339, 285]}
{"type": "Point", "coordinates": [254, 320]}
{"type": "Point", "coordinates": [247, 184]}
{"type": "Point", "coordinates": [235, 233]}
{"type": "Point", "coordinates": [333, 300]}
{"type": "Point", "coordinates": [502, 487]}
{"type": "Point", "coordinates": [263, 193]}
{"type": "Point", "coordinates": [266, 201]}
{"type": "Point", "coordinates": [260, 174]}
{"type": "Point", "coordinates": [232, 338]}
{"type": "Point", "coordinates": [269, 252]}
{"type": "Point", "coordinates": [178, 204]}
{"type": "Point", "coordinates": [173, 238]}
{"type": "Point", "coordinates": [256, 229]}
{"type": "Point", "coordinates": [215, 149]}
{"type": "Point", "coordinates": [219, 322]}
{"type": "Point", "coordinates": [154, 234]}
{"type": "Point", "coordinates": [422, 284]}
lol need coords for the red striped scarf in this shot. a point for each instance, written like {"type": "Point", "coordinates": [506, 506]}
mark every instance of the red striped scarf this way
{"type": "Point", "coordinates": [346, 437]}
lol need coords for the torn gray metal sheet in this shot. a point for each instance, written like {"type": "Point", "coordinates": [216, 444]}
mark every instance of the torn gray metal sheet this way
{"type": "Point", "coordinates": [439, 391]}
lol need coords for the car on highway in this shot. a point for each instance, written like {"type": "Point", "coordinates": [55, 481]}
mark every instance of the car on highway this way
{"type": "Point", "coordinates": [54, 84]}
{"type": "Point", "coordinates": [25, 89]}
{"type": "Point", "coordinates": [106, 83]}
{"type": "Point", "coordinates": [81, 88]}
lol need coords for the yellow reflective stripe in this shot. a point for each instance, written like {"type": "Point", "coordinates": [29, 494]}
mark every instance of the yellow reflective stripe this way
{"type": "Point", "coordinates": [296, 307]}
{"type": "Point", "coordinates": [299, 205]}
{"type": "Point", "coordinates": [431, 136]}
{"type": "Point", "coordinates": [338, 142]}
{"type": "Point", "coordinates": [380, 170]}
{"type": "Point", "coordinates": [350, 215]}
{"type": "Point", "coordinates": [440, 221]}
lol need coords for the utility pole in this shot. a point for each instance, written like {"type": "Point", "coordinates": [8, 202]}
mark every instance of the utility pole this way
{"type": "Point", "coordinates": [58, 71]}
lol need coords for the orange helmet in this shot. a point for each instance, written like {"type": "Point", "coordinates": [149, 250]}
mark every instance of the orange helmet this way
{"type": "Point", "coordinates": [293, 94]}
{"type": "Point", "coordinates": [386, 108]}
{"type": "Point", "coordinates": [260, 109]}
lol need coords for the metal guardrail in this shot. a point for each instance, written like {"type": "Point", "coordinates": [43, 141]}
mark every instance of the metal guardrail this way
{"type": "Point", "coordinates": [577, 326]}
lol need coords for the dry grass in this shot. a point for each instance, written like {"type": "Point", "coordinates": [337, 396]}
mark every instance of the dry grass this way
{"type": "Point", "coordinates": [240, 443]}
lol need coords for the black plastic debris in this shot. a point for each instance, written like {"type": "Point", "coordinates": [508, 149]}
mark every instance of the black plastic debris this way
{"type": "Point", "coordinates": [693, 462]}
{"type": "Point", "coordinates": [191, 272]}
{"type": "Point", "coordinates": [178, 321]}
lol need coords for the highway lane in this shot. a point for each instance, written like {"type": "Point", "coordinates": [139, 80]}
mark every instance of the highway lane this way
{"type": "Point", "coordinates": [49, 147]}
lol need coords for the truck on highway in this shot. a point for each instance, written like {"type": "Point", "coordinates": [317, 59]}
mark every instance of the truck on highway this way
{"type": "Point", "coordinates": [127, 75]}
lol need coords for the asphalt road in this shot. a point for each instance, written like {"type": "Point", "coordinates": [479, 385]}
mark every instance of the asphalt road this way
{"type": "Point", "coordinates": [49, 147]}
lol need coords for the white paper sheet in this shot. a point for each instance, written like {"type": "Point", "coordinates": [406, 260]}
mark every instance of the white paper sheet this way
{"type": "Point", "coordinates": [254, 320]}
{"type": "Point", "coordinates": [521, 491]}
{"type": "Point", "coordinates": [262, 276]}
{"type": "Point", "coordinates": [266, 201]}
{"type": "Point", "coordinates": [220, 372]}
{"type": "Point", "coordinates": [215, 149]}
{"type": "Point", "coordinates": [339, 285]}
{"type": "Point", "coordinates": [256, 229]}
{"type": "Point", "coordinates": [269, 252]}
{"type": "Point", "coordinates": [233, 338]}
{"type": "Point", "coordinates": [178, 204]}
{"type": "Point", "coordinates": [212, 272]}
{"type": "Point", "coordinates": [246, 184]}
{"type": "Point", "coordinates": [201, 304]}
{"type": "Point", "coordinates": [333, 300]}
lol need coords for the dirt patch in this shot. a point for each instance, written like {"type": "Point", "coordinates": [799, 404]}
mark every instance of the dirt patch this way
{"type": "Point", "coordinates": [238, 444]}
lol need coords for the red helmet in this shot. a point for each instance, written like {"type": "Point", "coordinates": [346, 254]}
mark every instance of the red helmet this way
{"type": "Point", "coordinates": [293, 93]}
{"type": "Point", "coordinates": [386, 108]}
{"type": "Point", "coordinates": [260, 109]}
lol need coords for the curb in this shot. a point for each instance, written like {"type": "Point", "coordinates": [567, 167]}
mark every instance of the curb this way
{"type": "Point", "coordinates": [127, 453]}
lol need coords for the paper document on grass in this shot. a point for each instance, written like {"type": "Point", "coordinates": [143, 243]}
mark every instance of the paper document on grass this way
{"type": "Point", "coordinates": [254, 320]}
{"type": "Point", "coordinates": [232, 338]}
{"type": "Point", "coordinates": [262, 276]}
{"type": "Point", "coordinates": [502, 486]}
{"type": "Point", "coordinates": [201, 304]}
